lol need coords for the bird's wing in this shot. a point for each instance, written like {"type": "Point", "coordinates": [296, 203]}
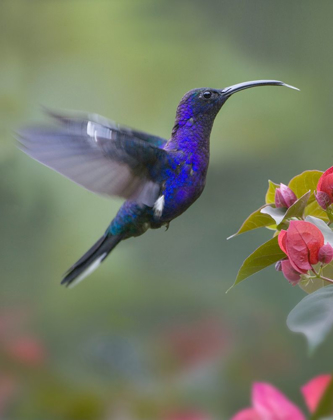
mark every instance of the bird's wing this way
{"type": "Point", "coordinates": [99, 155]}
{"type": "Point", "coordinates": [74, 122]}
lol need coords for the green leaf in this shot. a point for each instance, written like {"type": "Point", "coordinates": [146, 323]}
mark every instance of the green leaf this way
{"type": "Point", "coordinates": [322, 226]}
{"type": "Point", "coordinates": [325, 406]}
{"type": "Point", "coordinates": [267, 254]}
{"type": "Point", "coordinates": [254, 221]}
{"type": "Point", "coordinates": [276, 213]}
{"type": "Point", "coordinates": [314, 209]}
{"type": "Point", "coordinates": [306, 181]}
{"type": "Point", "coordinates": [281, 216]}
{"type": "Point", "coordinates": [270, 194]}
{"type": "Point", "coordinates": [313, 316]}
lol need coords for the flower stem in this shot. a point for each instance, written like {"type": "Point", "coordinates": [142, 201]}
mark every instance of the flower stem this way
{"type": "Point", "coordinates": [319, 276]}
{"type": "Point", "coordinates": [326, 279]}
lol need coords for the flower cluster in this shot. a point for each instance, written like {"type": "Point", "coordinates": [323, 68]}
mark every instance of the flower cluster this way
{"type": "Point", "coordinates": [301, 216]}
{"type": "Point", "coordinates": [300, 213]}
{"type": "Point", "coordinates": [303, 242]}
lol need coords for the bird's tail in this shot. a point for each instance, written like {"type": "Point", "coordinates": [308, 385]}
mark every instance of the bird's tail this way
{"type": "Point", "coordinates": [91, 259]}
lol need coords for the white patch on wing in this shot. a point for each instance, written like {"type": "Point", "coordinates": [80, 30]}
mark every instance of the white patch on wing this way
{"type": "Point", "coordinates": [90, 129]}
{"type": "Point", "coordinates": [92, 267]}
{"type": "Point", "coordinates": [159, 206]}
{"type": "Point", "coordinates": [94, 131]}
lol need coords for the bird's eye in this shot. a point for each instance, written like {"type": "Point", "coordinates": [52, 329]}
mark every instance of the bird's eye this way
{"type": "Point", "coordinates": [207, 94]}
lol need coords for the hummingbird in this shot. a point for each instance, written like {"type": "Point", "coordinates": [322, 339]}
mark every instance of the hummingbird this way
{"type": "Point", "coordinates": [159, 178]}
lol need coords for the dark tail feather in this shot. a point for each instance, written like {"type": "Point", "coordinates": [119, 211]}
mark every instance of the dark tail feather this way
{"type": "Point", "coordinates": [91, 259]}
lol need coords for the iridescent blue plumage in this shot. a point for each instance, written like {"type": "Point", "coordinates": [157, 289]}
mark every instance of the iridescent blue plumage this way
{"type": "Point", "coordinates": [160, 179]}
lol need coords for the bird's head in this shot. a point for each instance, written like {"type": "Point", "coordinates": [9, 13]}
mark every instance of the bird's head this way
{"type": "Point", "coordinates": [205, 103]}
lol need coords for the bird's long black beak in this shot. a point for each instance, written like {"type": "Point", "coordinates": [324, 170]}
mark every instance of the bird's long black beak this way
{"type": "Point", "coordinates": [228, 91]}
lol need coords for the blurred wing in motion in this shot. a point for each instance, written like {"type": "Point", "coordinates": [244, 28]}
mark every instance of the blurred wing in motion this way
{"type": "Point", "coordinates": [98, 154]}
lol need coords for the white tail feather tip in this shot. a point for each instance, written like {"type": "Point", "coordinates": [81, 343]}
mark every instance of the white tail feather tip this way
{"type": "Point", "coordinates": [92, 267]}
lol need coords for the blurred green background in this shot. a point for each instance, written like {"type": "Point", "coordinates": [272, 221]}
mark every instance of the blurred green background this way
{"type": "Point", "coordinates": [152, 333]}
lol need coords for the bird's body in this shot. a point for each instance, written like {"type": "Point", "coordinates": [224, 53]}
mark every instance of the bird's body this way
{"type": "Point", "coordinates": [182, 181]}
{"type": "Point", "coordinates": [160, 179]}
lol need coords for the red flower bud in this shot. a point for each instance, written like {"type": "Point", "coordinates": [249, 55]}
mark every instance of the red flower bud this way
{"type": "Point", "coordinates": [325, 183]}
{"type": "Point", "coordinates": [325, 254]}
{"type": "Point", "coordinates": [323, 199]}
{"type": "Point", "coordinates": [290, 273]}
{"type": "Point", "coordinates": [301, 242]}
{"type": "Point", "coordinates": [284, 196]}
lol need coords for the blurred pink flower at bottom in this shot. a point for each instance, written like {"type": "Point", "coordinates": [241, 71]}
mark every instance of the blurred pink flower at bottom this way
{"type": "Point", "coordinates": [268, 403]}
{"type": "Point", "coordinates": [314, 390]}
{"type": "Point", "coordinates": [187, 415]}
{"type": "Point", "coordinates": [247, 414]}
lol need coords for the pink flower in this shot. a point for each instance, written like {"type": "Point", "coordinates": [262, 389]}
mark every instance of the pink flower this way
{"type": "Point", "coordinates": [268, 403]}
{"type": "Point", "coordinates": [290, 273]}
{"type": "Point", "coordinates": [325, 189]}
{"type": "Point", "coordinates": [301, 243]}
{"type": "Point", "coordinates": [314, 390]}
{"type": "Point", "coordinates": [284, 196]}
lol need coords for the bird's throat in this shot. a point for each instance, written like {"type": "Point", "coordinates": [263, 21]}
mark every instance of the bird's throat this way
{"type": "Point", "coordinates": [191, 136]}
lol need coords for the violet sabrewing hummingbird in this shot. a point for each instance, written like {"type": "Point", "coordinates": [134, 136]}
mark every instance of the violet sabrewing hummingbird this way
{"type": "Point", "coordinates": [158, 178]}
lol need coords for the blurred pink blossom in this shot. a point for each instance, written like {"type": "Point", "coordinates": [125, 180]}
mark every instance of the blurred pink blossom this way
{"type": "Point", "coordinates": [26, 349]}
{"type": "Point", "coordinates": [314, 390]}
{"type": "Point", "coordinates": [268, 403]}
{"type": "Point", "coordinates": [16, 339]}
{"type": "Point", "coordinates": [188, 415]}
{"type": "Point", "coordinates": [203, 341]}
